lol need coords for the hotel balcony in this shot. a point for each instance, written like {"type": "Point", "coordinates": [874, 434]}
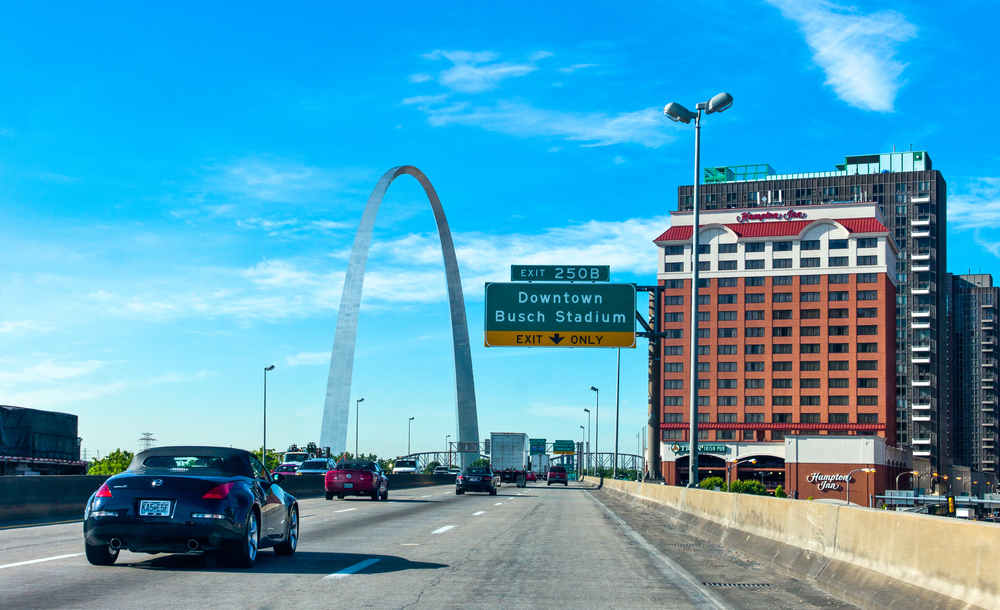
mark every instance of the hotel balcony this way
{"type": "Point", "coordinates": [921, 441]}
{"type": "Point", "coordinates": [919, 234]}
{"type": "Point", "coordinates": [987, 320]}
{"type": "Point", "coordinates": [922, 314]}
{"type": "Point", "coordinates": [920, 257]}
{"type": "Point", "coordinates": [989, 423]}
{"type": "Point", "coordinates": [920, 348]}
{"type": "Point", "coordinates": [917, 407]}
{"type": "Point", "coordinates": [921, 453]}
{"type": "Point", "coordinates": [921, 417]}
{"type": "Point", "coordinates": [916, 360]}
{"type": "Point", "coordinates": [926, 222]}
{"type": "Point", "coordinates": [988, 341]}
{"type": "Point", "coordinates": [921, 268]}
{"type": "Point", "coordinates": [922, 383]}
{"type": "Point", "coordinates": [987, 305]}
{"type": "Point", "coordinates": [921, 324]}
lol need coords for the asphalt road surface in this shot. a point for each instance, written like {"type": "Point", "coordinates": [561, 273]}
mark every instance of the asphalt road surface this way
{"type": "Point", "coordinates": [537, 547]}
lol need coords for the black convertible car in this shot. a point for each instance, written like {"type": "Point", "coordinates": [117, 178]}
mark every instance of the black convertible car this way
{"type": "Point", "coordinates": [191, 499]}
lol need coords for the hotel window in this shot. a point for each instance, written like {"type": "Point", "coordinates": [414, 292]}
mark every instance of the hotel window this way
{"type": "Point", "coordinates": [840, 383]}
{"type": "Point", "coordinates": [704, 384]}
{"type": "Point", "coordinates": [810, 262]}
{"type": "Point", "coordinates": [810, 279]}
{"type": "Point", "coordinates": [673, 367]}
{"type": "Point", "coordinates": [748, 435]}
{"type": "Point", "coordinates": [673, 384]}
{"type": "Point", "coordinates": [704, 299]}
{"type": "Point", "coordinates": [782, 384]}
{"type": "Point", "coordinates": [868, 401]}
{"type": "Point", "coordinates": [727, 401]}
{"type": "Point", "coordinates": [704, 418]}
{"type": "Point", "coordinates": [673, 250]}
{"type": "Point", "coordinates": [704, 333]}
{"type": "Point", "coordinates": [754, 367]}
{"type": "Point", "coordinates": [704, 316]}
{"type": "Point", "coordinates": [781, 401]}
{"type": "Point", "coordinates": [705, 249]}
{"type": "Point", "coordinates": [755, 264]}
{"type": "Point", "coordinates": [867, 261]}
{"type": "Point", "coordinates": [754, 418]}
{"type": "Point", "coordinates": [727, 333]}
{"type": "Point", "coordinates": [868, 382]}
{"type": "Point", "coordinates": [781, 365]}
{"type": "Point", "coordinates": [704, 350]}
{"type": "Point", "coordinates": [673, 317]}
{"type": "Point", "coordinates": [868, 312]}
{"type": "Point", "coordinates": [673, 350]}
{"type": "Point", "coordinates": [782, 297]}
{"type": "Point", "coordinates": [727, 418]}
{"type": "Point", "coordinates": [868, 330]}
{"type": "Point", "coordinates": [727, 350]}
{"type": "Point", "coordinates": [781, 331]}
{"type": "Point", "coordinates": [868, 295]}
{"type": "Point", "coordinates": [673, 267]}
{"type": "Point", "coordinates": [725, 435]}
{"type": "Point", "coordinates": [673, 418]}
{"type": "Point", "coordinates": [782, 280]}
{"type": "Point", "coordinates": [728, 282]}
{"type": "Point", "coordinates": [839, 330]}
{"type": "Point", "coordinates": [755, 297]}
{"type": "Point", "coordinates": [867, 348]}
{"type": "Point", "coordinates": [840, 365]}
{"type": "Point", "coordinates": [753, 331]}
{"type": "Point", "coordinates": [839, 278]}
{"type": "Point", "coordinates": [868, 242]}
{"type": "Point", "coordinates": [673, 284]}
{"type": "Point", "coordinates": [672, 435]}
{"type": "Point", "coordinates": [727, 248]}
{"type": "Point", "coordinates": [782, 246]}
{"type": "Point", "coordinates": [727, 299]}
{"type": "Point", "coordinates": [809, 401]}
{"type": "Point", "coordinates": [727, 265]}
{"type": "Point", "coordinates": [704, 282]}
{"type": "Point", "coordinates": [781, 314]}
{"type": "Point", "coordinates": [808, 296]}
{"type": "Point", "coordinates": [809, 365]}
{"type": "Point", "coordinates": [868, 278]}
{"type": "Point", "coordinates": [839, 418]}
{"type": "Point", "coordinates": [840, 348]}
{"type": "Point", "coordinates": [839, 313]}
{"type": "Point", "coordinates": [754, 314]}
{"type": "Point", "coordinates": [781, 348]}
{"type": "Point", "coordinates": [809, 383]}
{"type": "Point", "coordinates": [839, 295]}
{"type": "Point", "coordinates": [674, 333]}
{"type": "Point", "coordinates": [838, 244]}
{"type": "Point", "coordinates": [754, 349]}
{"type": "Point", "coordinates": [727, 316]}
{"type": "Point", "coordinates": [727, 367]}
{"type": "Point", "coordinates": [705, 266]}
{"type": "Point", "coordinates": [810, 331]}
{"type": "Point", "coordinates": [809, 418]}
{"type": "Point", "coordinates": [673, 300]}
{"type": "Point", "coordinates": [867, 365]}
{"type": "Point", "coordinates": [755, 247]}
{"type": "Point", "coordinates": [810, 348]}
{"type": "Point", "coordinates": [754, 281]}
{"type": "Point", "coordinates": [810, 244]}
{"type": "Point", "coordinates": [809, 314]}
{"type": "Point", "coordinates": [782, 263]}
{"type": "Point", "coordinates": [727, 384]}
{"type": "Point", "coordinates": [781, 418]}
{"type": "Point", "coordinates": [867, 418]}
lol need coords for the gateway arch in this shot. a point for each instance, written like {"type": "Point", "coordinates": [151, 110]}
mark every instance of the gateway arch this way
{"type": "Point", "coordinates": [338, 389]}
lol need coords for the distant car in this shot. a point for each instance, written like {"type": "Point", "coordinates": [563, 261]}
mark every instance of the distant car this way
{"type": "Point", "coordinates": [357, 478]}
{"type": "Point", "coordinates": [477, 478]}
{"type": "Point", "coordinates": [316, 466]}
{"type": "Point", "coordinates": [441, 470]}
{"type": "Point", "coordinates": [285, 469]}
{"type": "Point", "coordinates": [557, 474]}
{"type": "Point", "coordinates": [454, 470]}
{"type": "Point", "coordinates": [405, 466]}
{"type": "Point", "coordinates": [531, 476]}
{"type": "Point", "coordinates": [191, 499]}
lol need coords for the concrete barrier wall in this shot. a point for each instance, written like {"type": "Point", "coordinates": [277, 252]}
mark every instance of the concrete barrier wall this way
{"type": "Point", "coordinates": [873, 558]}
{"type": "Point", "coordinates": [53, 498]}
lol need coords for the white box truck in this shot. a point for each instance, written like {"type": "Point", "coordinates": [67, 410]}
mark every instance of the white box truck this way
{"type": "Point", "coordinates": [540, 465]}
{"type": "Point", "coordinates": [509, 456]}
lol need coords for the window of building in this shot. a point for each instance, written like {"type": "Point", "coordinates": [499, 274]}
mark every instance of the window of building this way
{"type": "Point", "coordinates": [704, 316]}
{"type": "Point", "coordinates": [755, 264]}
{"type": "Point", "coordinates": [810, 244]}
{"type": "Point", "coordinates": [673, 317]}
{"type": "Point", "coordinates": [867, 261]}
{"type": "Point", "coordinates": [673, 418]}
{"type": "Point", "coordinates": [810, 348]}
{"type": "Point", "coordinates": [839, 313]}
{"type": "Point", "coordinates": [868, 295]}
{"type": "Point", "coordinates": [704, 299]}
{"type": "Point", "coordinates": [753, 367]}
{"type": "Point", "coordinates": [728, 282]}
{"type": "Point", "coordinates": [839, 330]}
{"type": "Point", "coordinates": [809, 418]}
{"type": "Point", "coordinates": [727, 418]}
{"type": "Point", "coordinates": [868, 312]}
{"type": "Point", "coordinates": [755, 281]}
{"type": "Point", "coordinates": [704, 282]}
{"type": "Point", "coordinates": [840, 365]}
{"type": "Point", "coordinates": [704, 333]}
{"type": "Point", "coordinates": [867, 418]}
{"type": "Point", "coordinates": [868, 330]}
{"type": "Point", "coordinates": [727, 401]}
{"type": "Point", "coordinates": [809, 296]}
{"type": "Point", "coordinates": [809, 365]}
{"type": "Point", "coordinates": [754, 314]}
{"type": "Point", "coordinates": [727, 265]}
{"type": "Point", "coordinates": [840, 295]}
{"type": "Point", "coordinates": [704, 384]}
{"type": "Point", "coordinates": [781, 365]}
{"type": "Point", "coordinates": [754, 418]}
{"type": "Point", "coordinates": [781, 348]}
{"type": "Point", "coordinates": [673, 367]}
{"type": "Point", "coordinates": [754, 331]}
{"type": "Point", "coordinates": [867, 278]}
{"type": "Point", "coordinates": [754, 349]}
{"type": "Point", "coordinates": [781, 314]}
{"type": "Point", "coordinates": [782, 280]}
{"type": "Point", "coordinates": [727, 384]}
{"type": "Point", "coordinates": [810, 262]}
{"type": "Point", "coordinates": [673, 384]}
{"type": "Point", "coordinates": [672, 435]}
{"type": "Point", "coordinates": [727, 316]}
{"type": "Point", "coordinates": [840, 383]}
{"type": "Point", "coordinates": [782, 297]}
{"type": "Point", "coordinates": [781, 418]}
{"type": "Point", "coordinates": [782, 246]}
{"type": "Point", "coordinates": [840, 348]}
{"type": "Point", "coordinates": [809, 331]}
{"type": "Point", "coordinates": [727, 350]}
{"type": "Point", "coordinates": [673, 267]}
{"type": "Point", "coordinates": [868, 401]}
{"type": "Point", "coordinates": [868, 242]}
{"type": "Point", "coordinates": [867, 365]}
{"type": "Point", "coordinates": [809, 314]}
{"type": "Point", "coordinates": [809, 401]}
{"type": "Point", "coordinates": [755, 247]}
{"type": "Point", "coordinates": [704, 350]}
{"type": "Point", "coordinates": [727, 248]}
{"type": "Point", "coordinates": [868, 382]}
{"type": "Point", "coordinates": [669, 300]}
{"type": "Point", "coordinates": [727, 299]}
{"type": "Point", "coordinates": [755, 297]}
{"type": "Point", "coordinates": [782, 384]}
{"type": "Point", "coordinates": [809, 279]}
{"type": "Point", "coordinates": [673, 350]}
{"type": "Point", "coordinates": [839, 418]}
{"type": "Point", "coordinates": [781, 331]}
{"type": "Point", "coordinates": [782, 263]}
{"type": "Point", "coordinates": [839, 278]}
{"type": "Point", "coordinates": [705, 266]}
{"type": "Point", "coordinates": [725, 435]}
{"type": "Point", "coordinates": [781, 401]}
{"type": "Point", "coordinates": [838, 244]}
{"type": "Point", "coordinates": [809, 383]}
{"type": "Point", "coordinates": [673, 284]}
{"type": "Point", "coordinates": [727, 367]}
{"type": "Point", "coordinates": [704, 248]}
{"type": "Point", "coordinates": [674, 333]}
{"type": "Point", "coordinates": [867, 348]}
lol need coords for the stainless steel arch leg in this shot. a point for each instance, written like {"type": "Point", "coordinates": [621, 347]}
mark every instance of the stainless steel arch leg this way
{"type": "Point", "coordinates": [333, 433]}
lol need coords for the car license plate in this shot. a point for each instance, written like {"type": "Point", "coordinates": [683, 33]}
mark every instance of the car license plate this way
{"type": "Point", "coordinates": [348, 485]}
{"type": "Point", "coordinates": [473, 479]}
{"type": "Point", "coordinates": [154, 508]}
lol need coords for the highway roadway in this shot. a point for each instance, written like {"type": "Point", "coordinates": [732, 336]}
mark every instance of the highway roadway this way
{"type": "Point", "coordinates": [537, 547]}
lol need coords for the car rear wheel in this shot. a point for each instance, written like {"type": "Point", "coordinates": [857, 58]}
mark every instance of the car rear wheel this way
{"type": "Point", "coordinates": [385, 495]}
{"type": "Point", "coordinates": [459, 492]}
{"type": "Point", "coordinates": [287, 547]}
{"type": "Point", "coordinates": [340, 497]}
{"type": "Point", "coordinates": [374, 495]}
{"type": "Point", "coordinates": [329, 495]}
{"type": "Point", "coordinates": [244, 554]}
{"type": "Point", "coordinates": [101, 555]}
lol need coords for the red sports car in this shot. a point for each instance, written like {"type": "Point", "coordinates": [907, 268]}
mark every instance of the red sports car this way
{"type": "Point", "coordinates": [357, 478]}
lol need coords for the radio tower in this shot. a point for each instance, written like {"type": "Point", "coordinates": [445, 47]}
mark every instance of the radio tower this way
{"type": "Point", "coordinates": [146, 441]}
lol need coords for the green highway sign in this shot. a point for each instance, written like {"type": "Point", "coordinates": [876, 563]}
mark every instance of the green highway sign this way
{"type": "Point", "coordinates": [537, 446]}
{"type": "Point", "coordinates": [560, 315]}
{"type": "Point", "coordinates": [564, 447]}
{"type": "Point", "coordinates": [560, 273]}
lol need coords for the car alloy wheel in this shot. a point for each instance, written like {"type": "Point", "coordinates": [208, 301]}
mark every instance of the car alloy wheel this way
{"type": "Point", "coordinates": [245, 553]}
{"type": "Point", "coordinates": [101, 555]}
{"type": "Point", "coordinates": [288, 546]}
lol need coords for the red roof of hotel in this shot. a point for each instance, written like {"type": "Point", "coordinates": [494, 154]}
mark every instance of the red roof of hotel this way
{"type": "Point", "coordinates": [778, 229]}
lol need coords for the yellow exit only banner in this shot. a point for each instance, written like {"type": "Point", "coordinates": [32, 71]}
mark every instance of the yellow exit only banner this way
{"type": "Point", "coordinates": [511, 338]}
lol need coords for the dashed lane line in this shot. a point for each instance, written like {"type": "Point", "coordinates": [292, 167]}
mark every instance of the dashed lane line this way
{"type": "Point", "coordinates": [25, 563]}
{"type": "Point", "coordinates": [344, 510]}
{"type": "Point", "coordinates": [442, 530]}
{"type": "Point", "coordinates": [353, 569]}
{"type": "Point", "coordinates": [482, 512]}
{"type": "Point", "coordinates": [498, 504]}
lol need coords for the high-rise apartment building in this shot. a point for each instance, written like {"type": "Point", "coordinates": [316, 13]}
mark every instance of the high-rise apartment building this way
{"type": "Point", "coordinates": [912, 197]}
{"type": "Point", "coordinates": [974, 344]}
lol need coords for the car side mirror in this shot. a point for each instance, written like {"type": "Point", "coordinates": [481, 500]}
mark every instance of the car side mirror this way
{"type": "Point", "coordinates": [279, 478]}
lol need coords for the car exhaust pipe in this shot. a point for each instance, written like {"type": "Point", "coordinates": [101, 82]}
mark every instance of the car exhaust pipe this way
{"type": "Point", "coordinates": [192, 544]}
{"type": "Point", "coordinates": [116, 543]}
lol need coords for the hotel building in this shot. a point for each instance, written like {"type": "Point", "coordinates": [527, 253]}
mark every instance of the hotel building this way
{"type": "Point", "coordinates": [797, 319]}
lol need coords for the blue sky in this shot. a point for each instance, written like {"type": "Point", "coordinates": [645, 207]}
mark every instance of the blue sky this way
{"type": "Point", "coordinates": [180, 186]}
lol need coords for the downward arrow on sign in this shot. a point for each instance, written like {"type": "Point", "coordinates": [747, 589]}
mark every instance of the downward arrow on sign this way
{"type": "Point", "coordinates": [556, 338]}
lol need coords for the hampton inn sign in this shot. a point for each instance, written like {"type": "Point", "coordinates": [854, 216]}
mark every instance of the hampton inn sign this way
{"type": "Point", "coordinates": [762, 216]}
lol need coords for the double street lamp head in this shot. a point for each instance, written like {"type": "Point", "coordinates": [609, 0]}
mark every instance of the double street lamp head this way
{"type": "Point", "coordinates": [677, 113]}
{"type": "Point", "coordinates": [586, 410]}
{"type": "Point", "coordinates": [269, 368]}
{"type": "Point", "coordinates": [593, 388]}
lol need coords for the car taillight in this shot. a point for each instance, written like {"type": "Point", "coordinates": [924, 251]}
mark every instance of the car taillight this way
{"type": "Point", "coordinates": [459, 477]}
{"type": "Point", "coordinates": [103, 492]}
{"type": "Point", "coordinates": [219, 492]}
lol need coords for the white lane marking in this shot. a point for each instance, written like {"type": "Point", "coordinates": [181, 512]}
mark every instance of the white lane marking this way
{"type": "Point", "coordinates": [482, 512]}
{"type": "Point", "coordinates": [344, 510]}
{"type": "Point", "coordinates": [354, 568]}
{"type": "Point", "coordinates": [442, 529]}
{"type": "Point", "coordinates": [424, 496]}
{"type": "Point", "coordinates": [409, 544]}
{"type": "Point", "coordinates": [25, 563]}
{"type": "Point", "coordinates": [498, 504]}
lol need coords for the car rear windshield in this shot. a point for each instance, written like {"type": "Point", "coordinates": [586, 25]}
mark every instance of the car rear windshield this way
{"type": "Point", "coordinates": [557, 469]}
{"type": "Point", "coordinates": [353, 465]}
{"type": "Point", "coordinates": [285, 469]}
{"type": "Point", "coordinates": [477, 471]}
{"type": "Point", "coordinates": [314, 465]}
{"type": "Point", "coordinates": [405, 464]}
{"type": "Point", "coordinates": [183, 463]}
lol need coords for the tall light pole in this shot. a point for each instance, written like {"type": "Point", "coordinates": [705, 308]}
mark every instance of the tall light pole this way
{"type": "Point", "coordinates": [589, 460]}
{"type": "Point", "coordinates": [263, 450]}
{"type": "Point", "coordinates": [729, 469]}
{"type": "Point", "coordinates": [583, 439]}
{"type": "Point", "coordinates": [447, 446]}
{"type": "Point", "coordinates": [357, 423]}
{"type": "Point", "coordinates": [675, 112]}
{"type": "Point", "coordinates": [849, 481]}
{"type": "Point", "coordinates": [597, 429]}
{"type": "Point", "coordinates": [408, 426]}
{"type": "Point", "coordinates": [618, 378]}
{"type": "Point", "coordinates": [902, 473]}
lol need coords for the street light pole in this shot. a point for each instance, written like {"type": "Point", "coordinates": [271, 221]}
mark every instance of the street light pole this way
{"type": "Point", "coordinates": [729, 469]}
{"type": "Point", "coordinates": [589, 456]}
{"type": "Point", "coordinates": [618, 379]}
{"type": "Point", "coordinates": [597, 429]}
{"type": "Point", "coordinates": [906, 472]}
{"type": "Point", "coordinates": [447, 446]}
{"type": "Point", "coordinates": [263, 450]}
{"type": "Point", "coordinates": [849, 481]}
{"type": "Point", "coordinates": [408, 426]}
{"type": "Point", "coordinates": [583, 439]}
{"type": "Point", "coordinates": [357, 423]}
{"type": "Point", "coordinates": [676, 112]}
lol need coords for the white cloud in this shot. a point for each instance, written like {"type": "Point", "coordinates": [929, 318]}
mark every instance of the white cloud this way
{"type": "Point", "coordinates": [420, 78]}
{"type": "Point", "coordinates": [49, 370]}
{"type": "Point", "coordinates": [268, 179]}
{"type": "Point", "coordinates": [474, 72]}
{"type": "Point", "coordinates": [975, 204]}
{"type": "Point", "coordinates": [308, 358]}
{"type": "Point", "coordinates": [575, 67]}
{"type": "Point", "coordinates": [857, 52]}
{"type": "Point", "coordinates": [619, 160]}
{"type": "Point", "coordinates": [22, 327]}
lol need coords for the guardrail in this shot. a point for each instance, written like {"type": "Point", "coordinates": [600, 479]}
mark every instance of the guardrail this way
{"type": "Point", "coordinates": [27, 500]}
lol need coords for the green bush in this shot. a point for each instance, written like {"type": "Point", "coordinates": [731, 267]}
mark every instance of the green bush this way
{"type": "Point", "coordinates": [481, 462]}
{"type": "Point", "coordinates": [431, 466]}
{"type": "Point", "coordinates": [748, 487]}
{"type": "Point", "coordinates": [780, 492]}
{"type": "Point", "coordinates": [712, 482]}
{"type": "Point", "coordinates": [117, 461]}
